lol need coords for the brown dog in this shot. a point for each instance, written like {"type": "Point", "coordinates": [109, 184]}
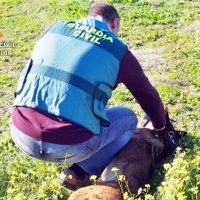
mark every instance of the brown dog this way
{"type": "Point", "coordinates": [135, 161]}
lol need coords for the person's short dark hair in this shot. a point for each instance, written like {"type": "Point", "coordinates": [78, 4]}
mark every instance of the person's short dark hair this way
{"type": "Point", "coordinates": [105, 10]}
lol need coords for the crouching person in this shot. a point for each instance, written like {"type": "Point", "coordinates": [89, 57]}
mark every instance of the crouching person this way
{"type": "Point", "coordinates": [59, 111]}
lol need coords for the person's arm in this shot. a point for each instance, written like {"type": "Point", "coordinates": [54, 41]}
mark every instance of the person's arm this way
{"type": "Point", "coordinates": [132, 75]}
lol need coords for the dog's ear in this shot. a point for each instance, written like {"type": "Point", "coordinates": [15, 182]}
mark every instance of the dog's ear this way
{"type": "Point", "coordinates": [166, 109]}
{"type": "Point", "coordinates": [167, 115]}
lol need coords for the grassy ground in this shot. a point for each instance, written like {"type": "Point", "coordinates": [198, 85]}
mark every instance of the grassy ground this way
{"type": "Point", "coordinates": [171, 28]}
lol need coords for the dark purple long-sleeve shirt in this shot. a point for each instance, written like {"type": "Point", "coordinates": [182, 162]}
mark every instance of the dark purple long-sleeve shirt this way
{"type": "Point", "coordinates": [50, 128]}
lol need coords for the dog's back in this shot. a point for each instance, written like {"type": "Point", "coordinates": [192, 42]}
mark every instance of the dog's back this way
{"type": "Point", "coordinates": [136, 160]}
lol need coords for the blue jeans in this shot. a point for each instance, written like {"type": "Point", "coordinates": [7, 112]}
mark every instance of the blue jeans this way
{"type": "Point", "coordinates": [93, 155]}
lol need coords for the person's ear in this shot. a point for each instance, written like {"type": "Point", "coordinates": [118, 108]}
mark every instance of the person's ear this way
{"type": "Point", "coordinates": [116, 24]}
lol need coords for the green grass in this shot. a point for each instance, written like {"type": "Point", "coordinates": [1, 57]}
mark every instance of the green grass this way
{"type": "Point", "coordinates": [173, 25]}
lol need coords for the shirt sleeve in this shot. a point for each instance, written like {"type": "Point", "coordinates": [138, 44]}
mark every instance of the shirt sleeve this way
{"type": "Point", "coordinates": [132, 76]}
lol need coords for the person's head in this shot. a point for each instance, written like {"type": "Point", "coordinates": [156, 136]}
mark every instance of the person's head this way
{"type": "Point", "coordinates": [108, 13]}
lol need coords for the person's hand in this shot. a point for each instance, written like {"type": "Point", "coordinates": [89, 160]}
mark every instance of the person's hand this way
{"type": "Point", "coordinates": [150, 126]}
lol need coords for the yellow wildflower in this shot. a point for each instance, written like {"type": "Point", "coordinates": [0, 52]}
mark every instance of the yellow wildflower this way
{"type": "Point", "coordinates": [10, 190]}
{"type": "Point", "coordinates": [70, 176]}
{"type": "Point", "coordinates": [149, 197]}
{"type": "Point", "coordinates": [93, 177]}
{"type": "Point", "coordinates": [12, 180]}
{"type": "Point", "coordinates": [114, 169]}
{"type": "Point", "coordinates": [32, 171]}
{"type": "Point", "coordinates": [147, 186]}
{"type": "Point", "coordinates": [140, 191]}
{"type": "Point", "coordinates": [122, 178]}
{"type": "Point", "coordinates": [125, 195]}
{"type": "Point", "coordinates": [20, 196]}
{"type": "Point", "coordinates": [42, 195]}
{"type": "Point", "coordinates": [167, 166]}
{"type": "Point", "coordinates": [161, 189]}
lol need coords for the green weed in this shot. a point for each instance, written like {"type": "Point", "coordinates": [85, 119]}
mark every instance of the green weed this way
{"type": "Point", "coordinates": [172, 25]}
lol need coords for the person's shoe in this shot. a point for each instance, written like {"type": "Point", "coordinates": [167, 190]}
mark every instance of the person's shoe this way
{"type": "Point", "coordinates": [71, 181]}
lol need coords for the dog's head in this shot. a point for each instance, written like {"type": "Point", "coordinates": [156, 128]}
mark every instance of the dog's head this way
{"type": "Point", "coordinates": [171, 136]}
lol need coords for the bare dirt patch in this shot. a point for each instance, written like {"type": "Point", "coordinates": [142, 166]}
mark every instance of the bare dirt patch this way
{"type": "Point", "coordinates": [195, 26]}
{"type": "Point", "coordinates": [153, 63]}
{"type": "Point", "coordinates": [150, 57]}
{"type": "Point", "coordinates": [197, 2]}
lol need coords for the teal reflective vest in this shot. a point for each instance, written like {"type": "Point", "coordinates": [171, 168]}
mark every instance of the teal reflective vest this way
{"type": "Point", "coordinates": [72, 71]}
